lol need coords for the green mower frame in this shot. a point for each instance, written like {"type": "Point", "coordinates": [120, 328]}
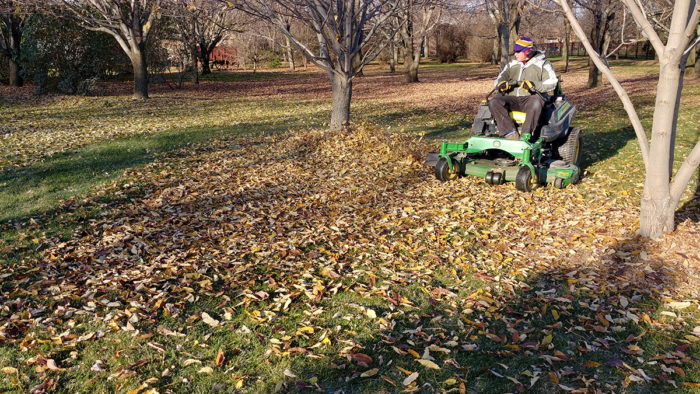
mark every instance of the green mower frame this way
{"type": "Point", "coordinates": [552, 156]}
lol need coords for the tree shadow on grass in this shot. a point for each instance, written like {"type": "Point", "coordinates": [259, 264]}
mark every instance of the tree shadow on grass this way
{"type": "Point", "coordinates": [581, 325]}
{"type": "Point", "coordinates": [602, 145]}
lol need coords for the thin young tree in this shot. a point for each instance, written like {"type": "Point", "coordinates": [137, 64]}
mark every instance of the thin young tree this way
{"type": "Point", "coordinates": [129, 21]}
{"type": "Point", "coordinates": [348, 34]}
{"type": "Point", "coordinates": [662, 193]}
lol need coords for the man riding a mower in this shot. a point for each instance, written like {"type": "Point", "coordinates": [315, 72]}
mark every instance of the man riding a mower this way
{"type": "Point", "coordinates": [522, 82]}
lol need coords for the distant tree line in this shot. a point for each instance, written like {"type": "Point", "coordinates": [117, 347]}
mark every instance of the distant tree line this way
{"type": "Point", "coordinates": [69, 45]}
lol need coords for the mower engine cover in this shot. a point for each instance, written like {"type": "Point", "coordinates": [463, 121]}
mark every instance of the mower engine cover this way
{"type": "Point", "coordinates": [559, 118]}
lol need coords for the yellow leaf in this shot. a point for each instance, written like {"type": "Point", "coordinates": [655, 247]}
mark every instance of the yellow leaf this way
{"type": "Point", "coordinates": [306, 330]}
{"type": "Point", "coordinates": [369, 373]}
{"type": "Point", "coordinates": [9, 370]}
{"type": "Point", "coordinates": [239, 384]}
{"type": "Point", "coordinates": [554, 378]}
{"type": "Point", "coordinates": [413, 353]}
{"type": "Point", "coordinates": [428, 364]}
{"type": "Point", "coordinates": [555, 314]}
{"type": "Point", "coordinates": [407, 372]}
{"type": "Point", "coordinates": [547, 340]}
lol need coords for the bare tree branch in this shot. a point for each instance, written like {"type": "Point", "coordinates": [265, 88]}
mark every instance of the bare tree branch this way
{"type": "Point", "coordinates": [626, 101]}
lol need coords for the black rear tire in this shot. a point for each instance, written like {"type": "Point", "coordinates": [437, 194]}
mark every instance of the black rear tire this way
{"type": "Point", "coordinates": [442, 170]}
{"type": "Point", "coordinates": [523, 180]}
{"type": "Point", "coordinates": [570, 150]}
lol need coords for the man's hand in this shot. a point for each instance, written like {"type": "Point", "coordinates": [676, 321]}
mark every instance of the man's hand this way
{"type": "Point", "coordinates": [503, 86]}
{"type": "Point", "coordinates": [528, 85]}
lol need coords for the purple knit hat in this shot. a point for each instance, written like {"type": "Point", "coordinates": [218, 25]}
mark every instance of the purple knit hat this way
{"type": "Point", "coordinates": [523, 43]}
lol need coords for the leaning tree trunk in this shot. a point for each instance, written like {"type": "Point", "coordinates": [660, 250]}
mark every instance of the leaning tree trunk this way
{"type": "Point", "coordinates": [696, 69]}
{"type": "Point", "coordinates": [138, 61]}
{"type": "Point", "coordinates": [657, 208]}
{"type": "Point", "coordinates": [342, 93]}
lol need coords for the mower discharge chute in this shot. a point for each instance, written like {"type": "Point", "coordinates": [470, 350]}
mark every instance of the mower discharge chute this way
{"type": "Point", "coordinates": [551, 155]}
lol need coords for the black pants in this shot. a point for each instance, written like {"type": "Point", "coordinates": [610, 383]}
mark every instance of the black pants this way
{"type": "Point", "coordinates": [531, 105]}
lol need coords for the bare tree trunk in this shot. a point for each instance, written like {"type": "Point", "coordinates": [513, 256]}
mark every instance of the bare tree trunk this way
{"type": "Point", "coordinates": [696, 69]}
{"type": "Point", "coordinates": [657, 208]}
{"type": "Point", "coordinates": [504, 34]}
{"type": "Point", "coordinates": [394, 58]}
{"type": "Point", "coordinates": [138, 61]}
{"type": "Point", "coordinates": [411, 63]}
{"type": "Point", "coordinates": [13, 71]}
{"type": "Point", "coordinates": [290, 55]}
{"type": "Point", "coordinates": [342, 93]}
{"type": "Point", "coordinates": [195, 68]}
{"type": "Point", "coordinates": [495, 50]}
{"type": "Point", "coordinates": [567, 44]}
{"type": "Point", "coordinates": [204, 56]}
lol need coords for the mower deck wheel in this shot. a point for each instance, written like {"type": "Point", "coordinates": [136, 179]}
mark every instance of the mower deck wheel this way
{"type": "Point", "coordinates": [523, 180]}
{"type": "Point", "coordinates": [442, 170]}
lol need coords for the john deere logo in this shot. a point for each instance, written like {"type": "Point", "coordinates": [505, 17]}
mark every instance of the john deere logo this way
{"type": "Point", "coordinates": [496, 144]}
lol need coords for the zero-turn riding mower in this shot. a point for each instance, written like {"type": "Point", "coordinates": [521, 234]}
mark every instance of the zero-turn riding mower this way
{"type": "Point", "coordinates": [552, 154]}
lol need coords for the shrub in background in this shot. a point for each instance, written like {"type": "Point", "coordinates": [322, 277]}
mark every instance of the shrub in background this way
{"type": "Point", "coordinates": [59, 55]}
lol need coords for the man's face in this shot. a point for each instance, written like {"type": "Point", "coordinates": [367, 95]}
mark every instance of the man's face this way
{"type": "Point", "coordinates": [521, 56]}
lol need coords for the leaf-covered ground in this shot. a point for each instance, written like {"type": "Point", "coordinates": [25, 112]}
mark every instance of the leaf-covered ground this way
{"type": "Point", "coordinates": [294, 259]}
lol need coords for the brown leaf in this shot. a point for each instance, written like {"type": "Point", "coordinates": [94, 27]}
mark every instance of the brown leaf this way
{"type": "Point", "coordinates": [362, 359]}
{"type": "Point", "coordinates": [220, 358]}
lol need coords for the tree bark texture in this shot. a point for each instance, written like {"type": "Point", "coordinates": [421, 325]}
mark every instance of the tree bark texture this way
{"type": "Point", "coordinates": [138, 61]}
{"type": "Point", "coordinates": [10, 46]}
{"type": "Point", "coordinates": [342, 94]}
{"type": "Point", "coordinates": [204, 57]}
{"type": "Point", "coordinates": [567, 44]}
{"type": "Point", "coordinates": [290, 55]}
{"type": "Point", "coordinates": [696, 69]}
{"type": "Point", "coordinates": [14, 75]}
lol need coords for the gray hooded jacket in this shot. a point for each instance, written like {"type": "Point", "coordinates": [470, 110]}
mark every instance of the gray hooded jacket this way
{"type": "Point", "coordinates": [538, 70]}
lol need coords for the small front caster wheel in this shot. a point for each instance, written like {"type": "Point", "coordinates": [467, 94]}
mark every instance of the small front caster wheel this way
{"type": "Point", "coordinates": [443, 172]}
{"type": "Point", "coordinates": [489, 178]}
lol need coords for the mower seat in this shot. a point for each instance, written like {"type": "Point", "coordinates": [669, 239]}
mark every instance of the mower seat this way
{"type": "Point", "coordinates": [517, 116]}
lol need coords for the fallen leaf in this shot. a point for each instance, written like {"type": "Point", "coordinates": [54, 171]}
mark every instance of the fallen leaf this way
{"type": "Point", "coordinates": [410, 379]}
{"type": "Point", "coordinates": [206, 370]}
{"type": "Point", "coordinates": [428, 364]}
{"type": "Point", "coordinates": [369, 373]}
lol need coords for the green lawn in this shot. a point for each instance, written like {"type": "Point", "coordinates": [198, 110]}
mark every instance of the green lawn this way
{"type": "Point", "coordinates": [229, 243]}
